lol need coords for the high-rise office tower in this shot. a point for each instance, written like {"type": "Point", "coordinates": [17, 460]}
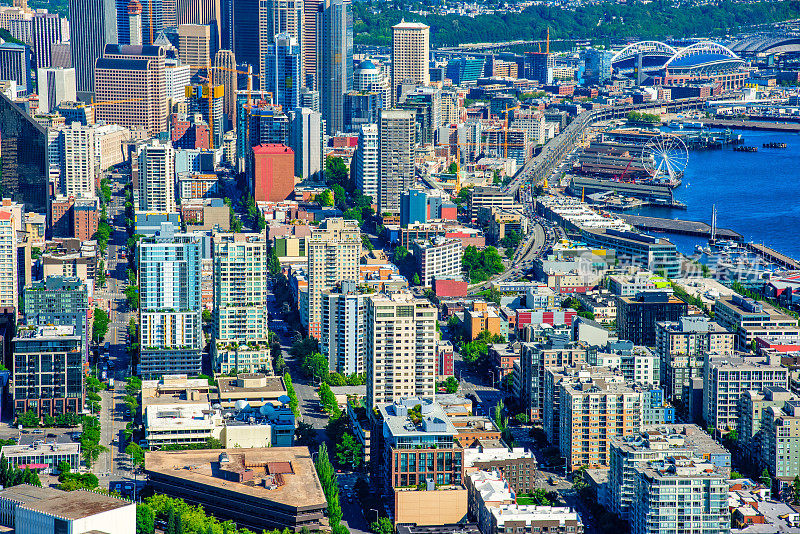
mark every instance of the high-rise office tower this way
{"type": "Point", "coordinates": [343, 339]}
{"type": "Point", "coordinates": [156, 176]}
{"type": "Point", "coordinates": [23, 158]}
{"type": "Point", "coordinates": [226, 24]}
{"type": "Point", "coordinates": [195, 45]}
{"type": "Point", "coordinates": [240, 287]}
{"type": "Point", "coordinates": [282, 71]}
{"type": "Point", "coordinates": [410, 55]}
{"type": "Point", "coordinates": [56, 85]}
{"type": "Point", "coordinates": [360, 109]}
{"type": "Point", "coordinates": [135, 22]}
{"type": "Point", "coordinates": [201, 12]}
{"type": "Point", "coordinates": [133, 78]}
{"type": "Point", "coordinates": [333, 252]}
{"type": "Point", "coordinates": [199, 101]}
{"type": "Point", "coordinates": [276, 17]}
{"type": "Point", "coordinates": [47, 29]}
{"type": "Point", "coordinates": [309, 42]}
{"type": "Point", "coordinates": [401, 348]}
{"type": "Point", "coordinates": [396, 130]}
{"type": "Point", "coordinates": [15, 64]}
{"type": "Point", "coordinates": [93, 25]}
{"type": "Point", "coordinates": [369, 78]}
{"type": "Point", "coordinates": [246, 40]}
{"type": "Point", "coordinates": [80, 161]}
{"type": "Point", "coordinates": [367, 175]}
{"type": "Point", "coordinates": [306, 138]}
{"type": "Point", "coordinates": [598, 66]}
{"type": "Point", "coordinates": [539, 66]}
{"type": "Point", "coordinates": [170, 304]}
{"type": "Point", "coordinates": [309, 98]}
{"type": "Point", "coordinates": [335, 66]}
{"type": "Point", "coordinates": [58, 300]}
{"type": "Point", "coordinates": [169, 13]}
{"type": "Point", "coordinates": [9, 277]}
{"type": "Point", "coordinates": [48, 371]}
{"type": "Point", "coordinates": [225, 75]}
{"type": "Point", "coordinates": [152, 17]}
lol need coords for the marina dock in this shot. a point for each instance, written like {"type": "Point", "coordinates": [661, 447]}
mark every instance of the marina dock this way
{"type": "Point", "coordinates": [678, 226]}
{"type": "Point", "coordinates": [738, 124]}
{"type": "Point", "coordinates": [773, 256]}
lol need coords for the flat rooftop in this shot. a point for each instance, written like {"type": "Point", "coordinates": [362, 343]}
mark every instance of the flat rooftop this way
{"type": "Point", "coordinates": [250, 383]}
{"type": "Point", "coordinates": [66, 504]}
{"type": "Point", "coordinates": [300, 487]}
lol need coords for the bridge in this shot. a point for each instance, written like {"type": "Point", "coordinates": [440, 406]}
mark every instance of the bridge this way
{"type": "Point", "coordinates": [487, 48]}
{"type": "Point", "coordinates": [552, 153]}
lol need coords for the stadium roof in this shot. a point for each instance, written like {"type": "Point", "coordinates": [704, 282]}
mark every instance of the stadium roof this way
{"type": "Point", "coordinates": [761, 44]}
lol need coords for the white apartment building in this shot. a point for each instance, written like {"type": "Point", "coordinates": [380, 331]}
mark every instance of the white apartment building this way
{"type": "Point", "coordinates": [344, 324]}
{"type": "Point", "coordinates": [532, 122]}
{"type": "Point", "coordinates": [80, 161]}
{"type": "Point", "coordinates": [725, 378]}
{"type": "Point", "coordinates": [156, 176]}
{"type": "Point", "coordinates": [240, 287]}
{"type": "Point", "coordinates": [401, 348]}
{"type": "Point", "coordinates": [438, 258]}
{"type": "Point", "coordinates": [9, 279]}
{"type": "Point", "coordinates": [333, 251]}
{"type": "Point", "coordinates": [366, 161]}
{"type": "Point", "coordinates": [108, 145]}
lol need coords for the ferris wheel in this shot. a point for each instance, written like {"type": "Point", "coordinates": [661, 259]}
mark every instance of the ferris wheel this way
{"type": "Point", "coordinates": [665, 156]}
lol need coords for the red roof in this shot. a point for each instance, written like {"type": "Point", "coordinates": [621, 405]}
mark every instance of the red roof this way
{"type": "Point", "coordinates": [272, 148]}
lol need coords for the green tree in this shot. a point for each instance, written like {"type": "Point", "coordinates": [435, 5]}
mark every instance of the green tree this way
{"type": "Point", "coordinates": [136, 453]}
{"type": "Point", "coordinates": [796, 490]}
{"type": "Point", "coordinates": [28, 419]}
{"type": "Point", "coordinates": [451, 384]}
{"type": "Point", "coordinates": [101, 273]}
{"type": "Point", "coordinates": [145, 519]}
{"type": "Point", "coordinates": [273, 264]}
{"type": "Point", "coordinates": [336, 171]}
{"type": "Point", "coordinates": [325, 198]}
{"type": "Point", "coordinates": [328, 400]}
{"type": "Point", "coordinates": [315, 365]}
{"type": "Point", "coordinates": [348, 451]}
{"type": "Point", "coordinates": [416, 281]}
{"type": "Point", "coordinates": [382, 526]}
{"type": "Point", "coordinates": [766, 479]}
{"type": "Point", "coordinates": [99, 325]}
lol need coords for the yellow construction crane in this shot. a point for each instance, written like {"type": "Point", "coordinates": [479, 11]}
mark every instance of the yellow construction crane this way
{"type": "Point", "coordinates": [151, 20]}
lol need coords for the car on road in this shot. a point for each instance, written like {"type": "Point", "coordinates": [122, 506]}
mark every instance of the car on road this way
{"type": "Point", "coordinates": [38, 431]}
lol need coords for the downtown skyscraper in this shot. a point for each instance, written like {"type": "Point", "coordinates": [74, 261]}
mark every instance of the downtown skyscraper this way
{"type": "Point", "coordinates": [335, 60]}
{"type": "Point", "coordinates": [282, 71]}
{"type": "Point", "coordinates": [410, 55]}
{"type": "Point", "coordinates": [93, 25]}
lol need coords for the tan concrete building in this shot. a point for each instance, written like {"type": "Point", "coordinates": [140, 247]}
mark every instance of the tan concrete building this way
{"type": "Point", "coordinates": [592, 412]}
{"type": "Point", "coordinates": [439, 507]}
{"type": "Point", "coordinates": [256, 389]}
{"type": "Point", "coordinates": [401, 348]}
{"type": "Point", "coordinates": [410, 55]}
{"type": "Point", "coordinates": [481, 316]}
{"type": "Point", "coordinates": [195, 45]}
{"type": "Point", "coordinates": [260, 488]}
{"type": "Point", "coordinates": [130, 87]}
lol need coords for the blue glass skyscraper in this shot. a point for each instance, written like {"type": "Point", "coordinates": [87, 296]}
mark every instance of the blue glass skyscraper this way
{"type": "Point", "coordinates": [282, 71]}
{"type": "Point", "coordinates": [335, 60]}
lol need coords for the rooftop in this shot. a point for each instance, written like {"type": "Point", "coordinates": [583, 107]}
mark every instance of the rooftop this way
{"type": "Point", "coordinates": [63, 504]}
{"type": "Point", "coordinates": [403, 419]}
{"type": "Point", "coordinates": [288, 472]}
{"type": "Point", "coordinates": [528, 513]}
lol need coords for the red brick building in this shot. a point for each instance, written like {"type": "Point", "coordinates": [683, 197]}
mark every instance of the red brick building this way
{"type": "Point", "coordinates": [73, 217]}
{"type": "Point", "coordinates": [273, 172]}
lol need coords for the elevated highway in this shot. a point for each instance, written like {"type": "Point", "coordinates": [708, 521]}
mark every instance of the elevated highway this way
{"type": "Point", "coordinates": [555, 150]}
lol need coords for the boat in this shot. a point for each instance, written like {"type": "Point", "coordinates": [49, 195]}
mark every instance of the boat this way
{"type": "Point", "coordinates": [693, 125]}
{"type": "Point", "coordinates": [698, 249]}
{"type": "Point", "coordinates": [742, 148]}
{"type": "Point", "coordinates": [774, 145]}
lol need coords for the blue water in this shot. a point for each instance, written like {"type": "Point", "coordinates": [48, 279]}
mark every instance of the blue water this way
{"type": "Point", "coordinates": [756, 194]}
